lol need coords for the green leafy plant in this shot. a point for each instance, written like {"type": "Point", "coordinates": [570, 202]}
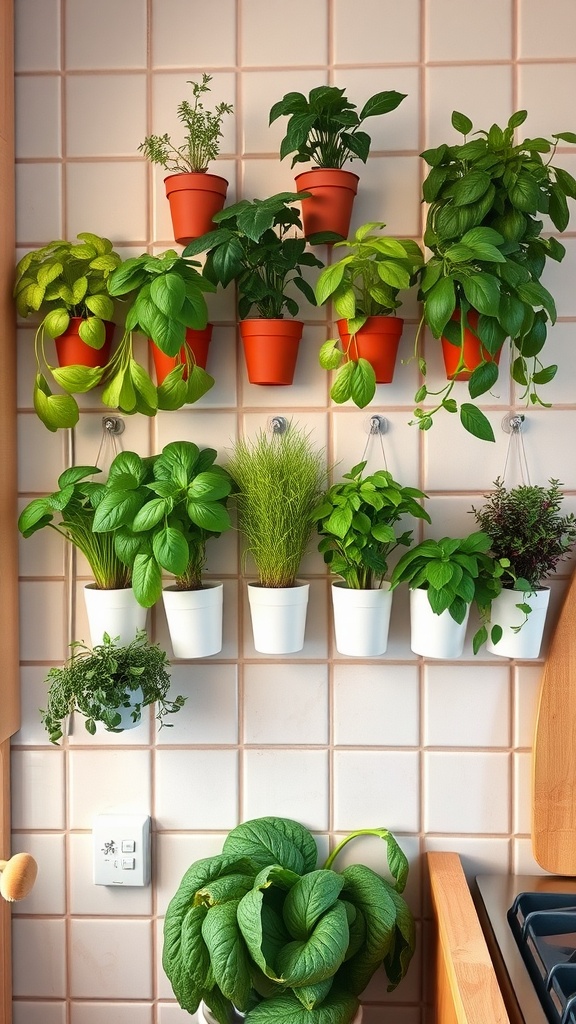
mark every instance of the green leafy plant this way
{"type": "Point", "coordinates": [202, 139]}
{"type": "Point", "coordinates": [100, 682]}
{"type": "Point", "coordinates": [74, 505]}
{"type": "Point", "coordinates": [488, 255]}
{"type": "Point", "coordinates": [355, 520]}
{"type": "Point", "coordinates": [279, 480]}
{"type": "Point", "coordinates": [256, 245]}
{"type": "Point", "coordinates": [324, 128]}
{"type": "Point", "coordinates": [161, 512]}
{"type": "Point", "coordinates": [364, 283]}
{"type": "Point", "coordinates": [260, 927]}
{"type": "Point", "coordinates": [60, 281]}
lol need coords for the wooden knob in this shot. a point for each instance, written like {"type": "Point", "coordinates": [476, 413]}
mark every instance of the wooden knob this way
{"type": "Point", "coordinates": [18, 876]}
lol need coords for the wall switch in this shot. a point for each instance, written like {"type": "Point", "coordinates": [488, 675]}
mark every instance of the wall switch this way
{"type": "Point", "coordinates": [121, 845]}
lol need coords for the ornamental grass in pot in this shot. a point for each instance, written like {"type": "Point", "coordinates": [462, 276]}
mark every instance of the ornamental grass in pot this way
{"type": "Point", "coordinates": [279, 480]}
{"type": "Point", "coordinates": [525, 526]}
{"type": "Point", "coordinates": [357, 523]}
{"type": "Point", "coordinates": [260, 932]}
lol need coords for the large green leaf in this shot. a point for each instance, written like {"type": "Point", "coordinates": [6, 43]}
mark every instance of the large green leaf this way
{"type": "Point", "coordinates": [475, 422]}
{"type": "Point", "coordinates": [363, 383]}
{"type": "Point", "coordinates": [209, 486]}
{"type": "Point", "coordinates": [371, 895]}
{"type": "Point", "coordinates": [482, 379]}
{"type": "Point", "coordinates": [309, 961]}
{"type": "Point", "coordinates": [55, 411]}
{"type": "Point", "coordinates": [168, 292]}
{"type": "Point", "coordinates": [77, 379]}
{"type": "Point", "coordinates": [228, 956]}
{"type": "Point", "coordinates": [338, 1008]}
{"type": "Point", "coordinates": [210, 515]}
{"type": "Point", "coordinates": [308, 899]}
{"type": "Point", "coordinates": [151, 514]}
{"type": "Point", "coordinates": [171, 550]}
{"type": "Point", "coordinates": [263, 931]}
{"type": "Point", "coordinates": [56, 322]}
{"type": "Point", "coordinates": [92, 332]}
{"type": "Point", "coordinates": [146, 579]}
{"type": "Point", "coordinates": [440, 305]}
{"type": "Point", "coordinates": [483, 293]}
{"type": "Point", "coordinates": [272, 840]}
{"type": "Point", "coordinates": [117, 508]}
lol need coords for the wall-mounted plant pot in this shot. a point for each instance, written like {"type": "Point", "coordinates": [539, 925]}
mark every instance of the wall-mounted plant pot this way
{"type": "Point", "coordinates": [198, 343]}
{"type": "Point", "coordinates": [473, 351]}
{"type": "Point", "coordinates": [126, 719]}
{"type": "Point", "coordinates": [361, 620]}
{"type": "Point", "coordinates": [521, 634]}
{"type": "Point", "coordinates": [431, 635]}
{"type": "Point", "coordinates": [194, 620]}
{"type": "Point", "coordinates": [271, 350]}
{"type": "Point", "coordinates": [72, 351]}
{"type": "Point", "coordinates": [115, 612]}
{"type": "Point", "coordinates": [329, 207]}
{"type": "Point", "coordinates": [194, 199]}
{"type": "Point", "coordinates": [278, 617]}
{"type": "Point", "coordinates": [377, 341]}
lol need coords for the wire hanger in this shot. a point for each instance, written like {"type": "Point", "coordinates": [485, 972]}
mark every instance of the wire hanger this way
{"type": "Point", "coordinates": [376, 427]}
{"type": "Point", "coordinates": [513, 425]}
{"type": "Point", "coordinates": [110, 445]}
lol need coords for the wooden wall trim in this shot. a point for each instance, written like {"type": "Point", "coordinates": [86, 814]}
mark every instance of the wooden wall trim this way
{"type": "Point", "coordinates": [5, 916]}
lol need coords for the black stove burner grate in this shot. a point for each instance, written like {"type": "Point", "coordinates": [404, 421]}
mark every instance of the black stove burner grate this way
{"type": "Point", "coordinates": [544, 926]}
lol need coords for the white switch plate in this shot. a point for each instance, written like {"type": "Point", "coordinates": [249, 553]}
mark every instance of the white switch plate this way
{"type": "Point", "coordinates": [121, 846]}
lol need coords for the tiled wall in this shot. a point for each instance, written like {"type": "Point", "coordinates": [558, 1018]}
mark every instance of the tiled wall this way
{"type": "Point", "coordinates": [439, 753]}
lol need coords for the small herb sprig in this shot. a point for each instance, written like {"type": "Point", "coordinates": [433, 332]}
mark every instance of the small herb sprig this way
{"type": "Point", "coordinates": [202, 139]}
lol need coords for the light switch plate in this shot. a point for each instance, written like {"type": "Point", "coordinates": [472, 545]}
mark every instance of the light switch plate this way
{"type": "Point", "coordinates": [121, 847]}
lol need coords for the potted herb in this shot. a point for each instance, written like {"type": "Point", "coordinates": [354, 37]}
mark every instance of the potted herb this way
{"type": "Point", "coordinates": [110, 602]}
{"type": "Point", "coordinates": [356, 520]}
{"type": "Point", "coordinates": [109, 684]}
{"type": "Point", "coordinates": [279, 480]}
{"type": "Point", "coordinates": [161, 513]}
{"type": "Point", "coordinates": [256, 245]}
{"type": "Point", "coordinates": [364, 288]}
{"type": "Point", "coordinates": [525, 526]}
{"type": "Point", "coordinates": [482, 283]}
{"type": "Point", "coordinates": [66, 283]}
{"type": "Point", "coordinates": [325, 129]}
{"type": "Point", "coordinates": [445, 578]}
{"type": "Point", "coordinates": [304, 940]}
{"type": "Point", "coordinates": [194, 195]}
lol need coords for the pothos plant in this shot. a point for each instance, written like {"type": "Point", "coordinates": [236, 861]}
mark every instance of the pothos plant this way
{"type": "Point", "coordinates": [261, 928]}
{"type": "Point", "coordinates": [202, 139]}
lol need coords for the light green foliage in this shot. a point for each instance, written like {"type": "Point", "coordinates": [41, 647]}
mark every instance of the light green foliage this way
{"type": "Point", "coordinates": [202, 138]}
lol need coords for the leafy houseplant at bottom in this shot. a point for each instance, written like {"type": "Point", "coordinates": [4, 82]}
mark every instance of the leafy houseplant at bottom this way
{"type": "Point", "coordinates": [356, 521]}
{"type": "Point", "coordinates": [109, 684]}
{"type": "Point", "coordinates": [526, 527]}
{"type": "Point", "coordinates": [259, 927]}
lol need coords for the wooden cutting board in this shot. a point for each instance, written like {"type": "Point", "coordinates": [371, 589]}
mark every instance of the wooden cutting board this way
{"type": "Point", "coordinates": [554, 753]}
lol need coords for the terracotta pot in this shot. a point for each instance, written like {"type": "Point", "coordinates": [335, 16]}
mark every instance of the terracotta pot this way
{"type": "Point", "coordinates": [72, 351]}
{"type": "Point", "coordinates": [377, 341]}
{"type": "Point", "coordinates": [474, 351]}
{"type": "Point", "coordinates": [329, 207]}
{"type": "Point", "coordinates": [197, 342]}
{"type": "Point", "coordinates": [194, 199]}
{"type": "Point", "coordinates": [271, 349]}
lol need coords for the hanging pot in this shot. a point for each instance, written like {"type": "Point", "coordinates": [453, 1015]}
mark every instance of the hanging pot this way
{"type": "Point", "coordinates": [377, 341]}
{"type": "Point", "coordinates": [126, 719]}
{"type": "Point", "coordinates": [329, 207]}
{"type": "Point", "coordinates": [278, 617]}
{"type": "Point", "coordinates": [271, 349]}
{"type": "Point", "coordinates": [194, 620]}
{"type": "Point", "coordinates": [72, 351]}
{"type": "Point", "coordinates": [361, 620]}
{"type": "Point", "coordinates": [431, 635]}
{"type": "Point", "coordinates": [473, 351]}
{"type": "Point", "coordinates": [196, 341]}
{"type": "Point", "coordinates": [515, 642]}
{"type": "Point", "coordinates": [194, 199]}
{"type": "Point", "coordinates": [115, 612]}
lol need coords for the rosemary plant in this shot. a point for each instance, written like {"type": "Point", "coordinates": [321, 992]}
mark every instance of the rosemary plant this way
{"type": "Point", "coordinates": [202, 139]}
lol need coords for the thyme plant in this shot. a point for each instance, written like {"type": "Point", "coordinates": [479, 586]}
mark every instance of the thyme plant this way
{"type": "Point", "coordinates": [202, 139]}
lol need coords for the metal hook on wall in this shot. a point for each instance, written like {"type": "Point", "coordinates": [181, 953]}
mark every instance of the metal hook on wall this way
{"type": "Point", "coordinates": [278, 425]}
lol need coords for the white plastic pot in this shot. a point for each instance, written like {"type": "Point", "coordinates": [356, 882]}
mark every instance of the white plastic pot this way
{"type": "Point", "coordinates": [115, 612]}
{"type": "Point", "coordinates": [278, 617]}
{"type": "Point", "coordinates": [361, 620]}
{"type": "Point", "coordinates": [526, 642]}
{"type": "Point", "coordinates": [205, 1017]}
{"type": "Point", "coordinates": [431, 635]}
{"type": "Point", "coordinates": [195, 620]}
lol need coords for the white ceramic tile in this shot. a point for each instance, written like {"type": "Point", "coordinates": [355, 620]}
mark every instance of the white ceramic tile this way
{"type": "Point", "coordinates": [315, 639]}
{"type": "Point", "coordinates": [397, 130]}
{"type": "Point", "coordinates": [100, 900]}
{"type": "Point", "coordinates": [546, 37]}
{"type": "Point", "coordinates": [107, 781]}
{"type": "Point", "coordinates": [472, 463]}
{"type": "Point", "coordinates": [484, 93]}
{"type": "Point", "coordinates": [41, 458]}
{"type": "Point", "coordinates": [376, 705]}
{"type": "Point", "coordinates": [523, 860]}
{"type": "Point", "coordinates": [527, 681]}
{"type": "Point", "coordinates": [389, 191]}
{"type": "Point", "coordinates": [522, 792]}
{"type": "Point", "coordinates": [547, 456]}
{"type": "Point", "coordinates": [42, 636]}
{"type": "Point", "coordinates": [117, 34]}
{"type": "Point", "coordinates": [169, 90]}
{"type": "Point", "coordinates": [32, 697]}
{"type": "Point", "coordinates": [123, 219]}
{"type": "Point", "coordinates": [466, 708]}
{"type": "Point", "coordinates": [265, 41]}
{"type": "Point", "coordinates": [466, 792]}
{"type": "Point", "coordinates": [310, 387]}
{"type": "Point", "coordinates": [110, 962]}
{"type": "Point", "coordinates": [364, 799]}
{"type": "Point", "coordinates": [479, 856]}
{"type": "Point", "coordinates": [89, 434]}
{"type": "Point", "coordinates": [173, 855]}
{"type": "Point", "coordinates": [37, 35]}
{"type": "Point", "coordinates": [38, 118]}
{"type": "Point", "coordinates": [39, 958]}
{"type": "Point", "coordinates": [475, 33]}
{"type": "Point", "coordinates": [196, 789]}
{"type": "Point", "coordinates": [452, 515]}
{"type": "Point", "coordinates": [543, 90]}
{"type": "Point", "coordinates": [371, 851]}
{"type": "Point", "coordinates": [48, 895]}
{"type": "Point", "coordinates": [203, 428]}
{"type": "Point", "coordinates": [287, 783]}
{"type": "Point", "coordinates": [42, 554]}
{"type": "Point", "coordinates": [116, 129]}
{"type": "Point", "coordinates": [559, 351]}
{"type": "Point", "coordinates": [120, 1013]}
{"type": "Point", "coordinates": [38, 203]}
{"type": "Point", "coordinates": [399, 635]}
{"type": "Point", "coordinates": [210, 714]}
{"type": "Point", "coordinates": [400, 442]}
{"type": "Point", "coordinates": [558, 279]}
{"type": "Point", "coordinates": [38, 1012]}
{"type": "Point", "coordinates": [263, 178]}
{"type": "Point", "coordinates": [171, 1013]}
{"type": "Point", "coordinates": [381, 31]}
{"type": "Point", "coordinates": [38, 789]}
{"type": "Point", "coordinates": [288, 706]}
{"type": "Point", "coordinates": [260, 91]}
{"type": "Point", "coordinates": [180, 37]}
